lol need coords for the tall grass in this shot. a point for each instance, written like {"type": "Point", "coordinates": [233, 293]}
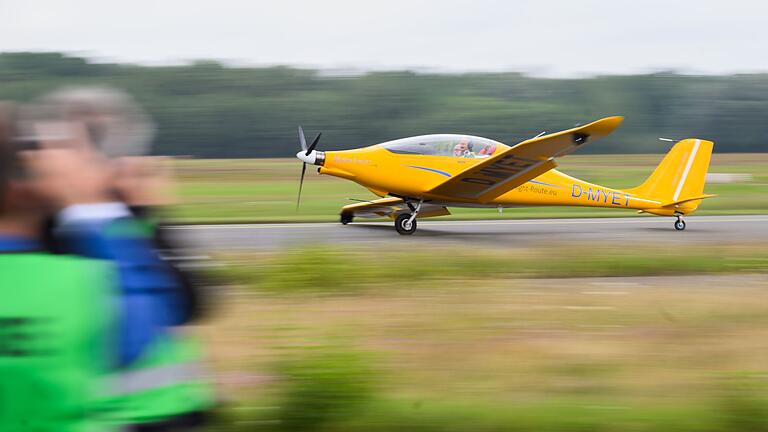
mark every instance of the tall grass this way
{"type": "Point", "coordinates": [486, 340]}
{"type": "Point", "coordinates": [337, 390]}
{"type": "Point", "coordinates": [327, 269]}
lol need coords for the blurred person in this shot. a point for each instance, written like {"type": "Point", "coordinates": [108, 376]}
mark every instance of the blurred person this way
{"type": "Point", "coordinates": [119, 129]}
{"type": "Point", "coordinates": [56, 314]}
{"type": "Point", "coordinates": [156, 382]}
{"type": "Point", "coordinates": [162, 386]}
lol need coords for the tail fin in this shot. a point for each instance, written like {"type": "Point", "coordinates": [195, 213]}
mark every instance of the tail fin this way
{"type": "Point", "coordinates": [678, 181]}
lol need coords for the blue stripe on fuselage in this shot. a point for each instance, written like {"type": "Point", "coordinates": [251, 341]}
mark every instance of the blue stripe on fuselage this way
{"type": "Point", "coordinates": [431, 169]}
{"type": "Point", "coordinates": [544, 184]}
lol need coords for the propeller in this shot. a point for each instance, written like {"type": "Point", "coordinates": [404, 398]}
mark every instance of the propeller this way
{"type": "Point", "coordinates": [307, 151]}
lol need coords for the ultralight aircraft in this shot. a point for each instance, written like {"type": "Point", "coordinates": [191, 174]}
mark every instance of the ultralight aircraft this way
{"type": "Point", "coordinates": [422, 176]}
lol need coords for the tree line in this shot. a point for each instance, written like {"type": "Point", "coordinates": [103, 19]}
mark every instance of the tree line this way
{"type": "Point", "coordinates": [206, 109]}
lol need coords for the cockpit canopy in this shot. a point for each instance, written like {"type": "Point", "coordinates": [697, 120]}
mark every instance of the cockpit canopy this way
{"type": "Point", "coordinates": [444, 145]}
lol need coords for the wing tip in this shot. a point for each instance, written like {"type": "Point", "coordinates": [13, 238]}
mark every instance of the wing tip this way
{"type": "Point", "coordinates": [604, 126]}
{"type": "Point", "coordinates": [615, 121]}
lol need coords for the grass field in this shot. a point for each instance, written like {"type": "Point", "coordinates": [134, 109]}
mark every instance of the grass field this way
{"type": "Point", "coordinates": [478, 341]}
{"type": "Point", "coordinates": [578, 339]}
{"type": "Point", "coordinates": [264, 190]}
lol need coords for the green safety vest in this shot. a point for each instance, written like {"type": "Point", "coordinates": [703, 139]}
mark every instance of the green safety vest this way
{"type": "Point", "coordinates": [168, 380]}
{"type": "Point", "coordinates": [56, 318]}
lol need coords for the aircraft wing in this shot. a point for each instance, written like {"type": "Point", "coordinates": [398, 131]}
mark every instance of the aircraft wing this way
{"type": "Point", "coordinates": [525, 161]}
{"type": "Point", "coordinates": [390, 207]}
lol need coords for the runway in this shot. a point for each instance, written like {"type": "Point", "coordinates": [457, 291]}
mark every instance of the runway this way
{"type": "Point", "coordinates": [619, 231]}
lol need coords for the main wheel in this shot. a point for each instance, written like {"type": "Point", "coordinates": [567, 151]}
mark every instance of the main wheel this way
{"type": "Point", "coordinates": [403, 227]}
{"type": "Point", "coordinates": [346, 218]}
{"type": "Point", "coordinates": [679, 224]}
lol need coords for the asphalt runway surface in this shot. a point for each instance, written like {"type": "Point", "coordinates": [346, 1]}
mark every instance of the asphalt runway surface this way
{"type": "Point", "coordinates": [514, 232]}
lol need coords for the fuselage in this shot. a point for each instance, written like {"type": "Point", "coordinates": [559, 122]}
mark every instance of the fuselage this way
{"type": "Point", "coordinates": [397, 168]}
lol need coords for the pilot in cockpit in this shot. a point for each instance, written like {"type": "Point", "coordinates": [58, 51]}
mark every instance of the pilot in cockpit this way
{"type": "Point", "coordinates": [487, 150]}
{"type": "Point", "coordinates": [463, 149]}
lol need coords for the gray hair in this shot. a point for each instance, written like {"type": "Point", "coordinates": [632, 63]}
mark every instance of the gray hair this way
{"type": "Point", "coordinates": [117, 124]}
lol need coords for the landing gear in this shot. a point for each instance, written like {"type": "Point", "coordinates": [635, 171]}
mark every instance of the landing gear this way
{"type": "Point", "coordinates": [679, 223]}
{"type": "Point", "coordinates": [405, 223]}
{"type": "Point", "coordinates": [346, 218]}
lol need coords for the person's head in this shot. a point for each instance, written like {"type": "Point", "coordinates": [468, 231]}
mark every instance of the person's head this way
{"type": "Point", "coordinates": [48, 171]}
{"type": "Point", "coordinates": [462, 147]}
{"type": "Point", "coordinates": [116, 127]}
{"type": "Point", "coordinates": [488, 149]}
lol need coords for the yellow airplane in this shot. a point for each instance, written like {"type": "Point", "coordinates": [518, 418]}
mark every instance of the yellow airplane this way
{"type": "Point", "coordinates": [421, 176]}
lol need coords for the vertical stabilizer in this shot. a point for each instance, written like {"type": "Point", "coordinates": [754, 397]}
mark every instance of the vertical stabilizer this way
{"type": "Point", "coordinates": [679, 178]}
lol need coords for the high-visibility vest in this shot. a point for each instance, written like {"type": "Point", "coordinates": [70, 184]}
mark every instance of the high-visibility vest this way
{"type": "Point", "coordinates": [168, 380]}
{"type": "Point", "coordinates": [56, 319]}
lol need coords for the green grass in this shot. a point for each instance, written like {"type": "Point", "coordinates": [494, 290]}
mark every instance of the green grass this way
{"type": "Point", "coordinates": [264, 190]}
{"type": "Point", "coordinates": [345, 270]}
{"type": "Point", "coordinates": [555, 416]}
{"type": "Point", "coordinates": [521, 339]}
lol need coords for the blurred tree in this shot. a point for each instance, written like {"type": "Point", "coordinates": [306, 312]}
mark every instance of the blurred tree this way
{"type": "Point", "coordinates": [207, 109]}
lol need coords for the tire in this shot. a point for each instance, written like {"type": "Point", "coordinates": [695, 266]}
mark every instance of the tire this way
{"type": "Point", "coordinates": [679, 224]}
{"type": "Point", "coordinates": [345, 219]}
{"type": "Point", "coordinates": [400, 223]}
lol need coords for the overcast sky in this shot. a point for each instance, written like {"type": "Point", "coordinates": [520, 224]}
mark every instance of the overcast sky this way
{"type": "Point", "coordinates": [544, 38]}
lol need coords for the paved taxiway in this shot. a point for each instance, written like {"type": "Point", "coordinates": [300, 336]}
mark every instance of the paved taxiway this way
{"type": "Point", "coordinates": [626, 231]}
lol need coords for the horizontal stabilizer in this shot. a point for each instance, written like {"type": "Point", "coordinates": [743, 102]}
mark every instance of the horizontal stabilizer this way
{"type": "Point", "coordinates": [696, 198]}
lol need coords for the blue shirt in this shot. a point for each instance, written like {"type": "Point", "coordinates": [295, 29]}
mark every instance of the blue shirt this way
{"type": "Point", "coordinates": [18, 244]}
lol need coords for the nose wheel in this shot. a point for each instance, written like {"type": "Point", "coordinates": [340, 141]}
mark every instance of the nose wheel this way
{"type": "Point", "coordinates": [679, 223]}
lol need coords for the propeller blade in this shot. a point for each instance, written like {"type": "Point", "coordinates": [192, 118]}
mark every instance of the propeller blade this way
{"type": "Point", "coordinates": [301, 183]}
{"type": "Point", "coordinates": [302, 140]}
{"type": "Point", "coordinates": [307, 151]}
{"type": "Point", "coordinates": [314, 144]}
